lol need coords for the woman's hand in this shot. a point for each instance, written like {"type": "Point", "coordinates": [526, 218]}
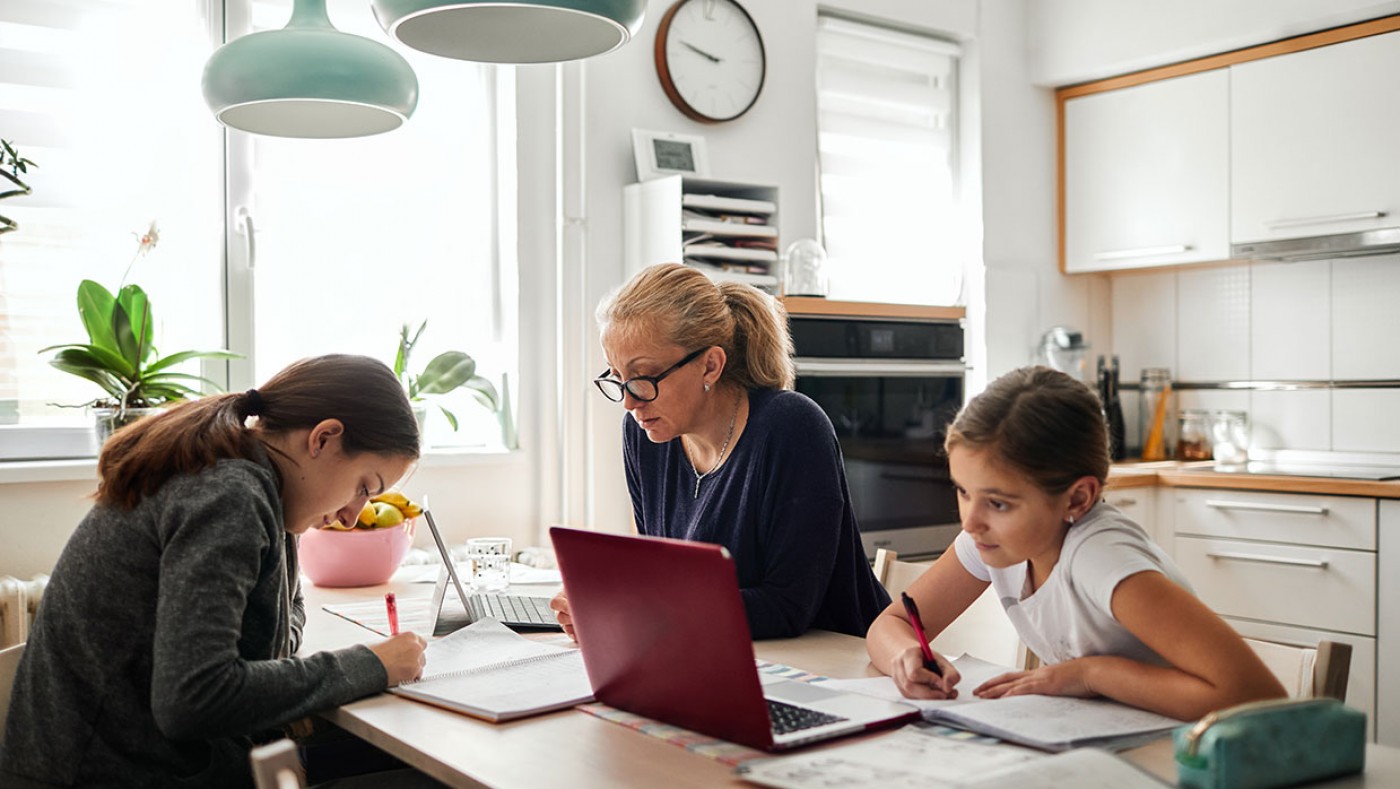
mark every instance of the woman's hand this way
{"type": "Point", "coordinates": [402, 657]}
{"type": "Point", "coordinates": [1062, 679]}
{"type": "Point", "coordinates": [916, 682]}
{"type": "Point", "coordinates": [560, 606]}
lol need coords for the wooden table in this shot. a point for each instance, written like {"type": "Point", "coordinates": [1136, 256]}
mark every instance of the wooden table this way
{"type": "Point", "coordinates": [572, 748]}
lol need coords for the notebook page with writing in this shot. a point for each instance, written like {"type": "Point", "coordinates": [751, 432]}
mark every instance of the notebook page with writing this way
{"type": "Point", "coordinates": [1052, 723]}
{"type": "Point", "coordinates": [489, 671]}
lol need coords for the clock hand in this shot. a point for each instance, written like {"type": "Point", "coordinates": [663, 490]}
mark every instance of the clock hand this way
{"type": "Point", "coordinates": [699, 51]}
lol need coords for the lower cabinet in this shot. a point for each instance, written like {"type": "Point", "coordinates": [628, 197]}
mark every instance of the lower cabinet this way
{"type": "Point", "coordinates": [1288, 567]}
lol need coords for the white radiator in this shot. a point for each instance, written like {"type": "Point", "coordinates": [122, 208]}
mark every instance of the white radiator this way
{"type": "Point", "coordinates": [19, 600]}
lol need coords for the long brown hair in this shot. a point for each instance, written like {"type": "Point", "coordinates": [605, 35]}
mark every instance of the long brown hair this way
{"type": "Point", "coordinates": [694, 312]}
{"type": "Point", "coordinates": [1041, 422]}
{"type": "Point", "coordinates": [359, 391]}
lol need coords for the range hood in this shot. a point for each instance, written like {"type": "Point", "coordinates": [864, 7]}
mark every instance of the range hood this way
{"type": "Point", "coordinates": [1343, 245]}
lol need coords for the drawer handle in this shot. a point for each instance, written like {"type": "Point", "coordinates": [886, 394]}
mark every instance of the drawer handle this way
{"type": "Point", "coordinates": [1321, 564]}
{"type": "Point", "coordinates": [1259, 506]}
{"type": "Point", "coordinates": [1304, 221]}
{"type": "Point", "coordinates": [1141, 252]}
{"type": "Point", "coordinates": [1123, 503]}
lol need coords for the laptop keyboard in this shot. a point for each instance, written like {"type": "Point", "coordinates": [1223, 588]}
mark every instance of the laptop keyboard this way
{"type": "Point", "coordinates": [514, 609]}
{"type": "Point", "coordinates": [787, 718]}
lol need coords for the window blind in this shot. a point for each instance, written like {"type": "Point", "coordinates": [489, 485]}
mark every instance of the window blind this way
{"type": "Point", "coordinates": [886, 145]}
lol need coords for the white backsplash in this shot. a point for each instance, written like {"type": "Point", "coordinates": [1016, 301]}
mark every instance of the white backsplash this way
{"type": "Point", "coordinates": [1305, 321]}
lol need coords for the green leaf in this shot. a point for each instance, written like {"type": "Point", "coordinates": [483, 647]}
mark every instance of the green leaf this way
{"type": "Point", "coordinates": [484, 392]}
{"type": "Point", "coordinates": [95, 304]}
{"type": "Point", "coordinates": [96, 356]}
{"type": "Point", "coordinates": [446, 372]}
{"type": "Point", "coordinates": [184, 356]}
{"type": "Point", "coordinates": [128, 346]}
{"type": "Point", "coordinates": [138, 309]}
{"type": "Point", "coordinates": [451, 418]}
{"type": "Point", "coordinates": [82, 364]}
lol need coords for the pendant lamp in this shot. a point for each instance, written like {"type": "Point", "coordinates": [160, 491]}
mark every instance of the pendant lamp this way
{"type": "Point", "coordinates": [511, 31]}
{"type": "Point", "coordinates": [309, 80]}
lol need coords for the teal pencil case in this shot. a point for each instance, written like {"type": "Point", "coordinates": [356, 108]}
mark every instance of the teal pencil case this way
{"type": "Point", "coordinates": [1271, 743]}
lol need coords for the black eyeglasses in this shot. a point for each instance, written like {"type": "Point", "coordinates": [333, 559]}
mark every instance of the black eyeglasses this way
{"type": "Point", "coordinates": [643, 387]}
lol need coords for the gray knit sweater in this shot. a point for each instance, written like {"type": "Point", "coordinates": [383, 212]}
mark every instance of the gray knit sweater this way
{"type": "Point", "coordinates": [163, 644]}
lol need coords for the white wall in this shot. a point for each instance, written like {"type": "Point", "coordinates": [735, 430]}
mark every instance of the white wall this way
{"type": "Point", "coordinates": [1082, 40]}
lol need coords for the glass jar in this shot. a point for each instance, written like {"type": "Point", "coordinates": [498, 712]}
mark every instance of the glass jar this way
{"type": "Point", "coordinates": [1230, 438]}
{"type": "Point", "coordinates": [1194, 439]}
{"type": "Point", "coordinates": [1157, 417]}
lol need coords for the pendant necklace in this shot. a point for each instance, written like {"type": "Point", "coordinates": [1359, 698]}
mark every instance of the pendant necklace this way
{"type": "Point", "coordinates": [732, 417]}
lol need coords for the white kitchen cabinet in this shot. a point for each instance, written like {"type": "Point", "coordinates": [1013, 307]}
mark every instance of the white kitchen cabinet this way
{"type": "Point", "coordinates": [1147, 174]}
{"type": "Point", "coordinates": [1290, 567]}
{"type": "Point", "coordinates": [1140, 504]}
{"type": "Point", "coordinates": [1388, 624]}
{"type": "Point", "coordinates": [1314, 149]}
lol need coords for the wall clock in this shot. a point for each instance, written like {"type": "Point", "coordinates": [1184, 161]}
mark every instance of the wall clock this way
{"type": "Point", "coordinates": [709, 57]}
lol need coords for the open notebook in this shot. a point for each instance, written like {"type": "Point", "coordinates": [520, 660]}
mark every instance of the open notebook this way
{"type": "Point", "coordinates": [489, 671]}
{"type": "Point", "coordinates": [1050, 723]}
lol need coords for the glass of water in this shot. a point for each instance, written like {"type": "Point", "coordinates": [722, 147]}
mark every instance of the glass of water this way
{"type": "Point", "coordinates": [490, 558]}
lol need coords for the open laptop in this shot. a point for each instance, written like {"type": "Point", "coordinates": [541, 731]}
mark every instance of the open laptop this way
{"type": "Point", "coordinates": [664, 634]}
{"type": "Point", "coordinates": [518, 612]}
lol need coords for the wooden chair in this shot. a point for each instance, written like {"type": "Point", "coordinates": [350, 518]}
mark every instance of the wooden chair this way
{"type": "Point", "coordinates": [9, 664]}
{"type": "Point", "coordinates": [276, 765]}
{"type": "Point", "coordinates": [1307, 672]}
{"type": "Point", "coordinates": [983, 629]}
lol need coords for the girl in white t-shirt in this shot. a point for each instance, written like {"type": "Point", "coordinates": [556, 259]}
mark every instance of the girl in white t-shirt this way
{"type": "Point", "coordinates": [1104, 608]}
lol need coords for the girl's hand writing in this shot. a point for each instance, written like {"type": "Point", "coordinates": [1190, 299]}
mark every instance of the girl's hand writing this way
{"type": "Point", "coordinates": [1062, 679]}
{"type": "Point", "coordinates": [560, 606]}
{"type": "Point", "coordinates": [402, 657]}
{"type": "Point", "coordinates": [916, 682]}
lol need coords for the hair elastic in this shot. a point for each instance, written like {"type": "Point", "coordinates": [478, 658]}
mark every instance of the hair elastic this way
{"type": "Point", "coordinates": [252, 403]}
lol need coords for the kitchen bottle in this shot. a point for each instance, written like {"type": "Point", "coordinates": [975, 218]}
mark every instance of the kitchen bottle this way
{"type": "Point", "coordinates": [1157, 414]}
{"type": "Point", "coordinates": [1112, 407]}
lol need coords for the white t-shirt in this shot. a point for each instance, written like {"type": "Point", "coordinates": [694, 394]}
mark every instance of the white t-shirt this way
{"type": "Point", "coordinates": [1071, 614]}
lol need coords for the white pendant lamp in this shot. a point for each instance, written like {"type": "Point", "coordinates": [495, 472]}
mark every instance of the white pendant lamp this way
{"type": "Point", "coordinates": [511, 31]}
{"type": "Point", "coordinates": [309, 80]}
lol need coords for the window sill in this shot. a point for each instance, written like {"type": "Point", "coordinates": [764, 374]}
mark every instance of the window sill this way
{"type": "Point", "coordinates": [85, 469]}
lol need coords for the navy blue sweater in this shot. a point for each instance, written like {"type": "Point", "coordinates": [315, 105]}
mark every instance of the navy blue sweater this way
{"type": "Point", "coordinates": [779, 504]}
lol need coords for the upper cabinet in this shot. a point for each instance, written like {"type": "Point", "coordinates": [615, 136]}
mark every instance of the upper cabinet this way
{"type": "Point", "coordinates": [1146, 174]}
{"type": "Point", "coordinates": [1314, 144]}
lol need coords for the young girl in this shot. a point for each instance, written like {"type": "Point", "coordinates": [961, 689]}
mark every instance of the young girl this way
{"type": "Point", "coordinates": [166, 642]}
{"type": "Point", "coordinates": [1104, 608]}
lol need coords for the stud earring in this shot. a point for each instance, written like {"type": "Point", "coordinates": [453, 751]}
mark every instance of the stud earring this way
{"type": "Point", "coordinates": [707, 386]}
{"type": "Point", "coordinates": [1070, 520]}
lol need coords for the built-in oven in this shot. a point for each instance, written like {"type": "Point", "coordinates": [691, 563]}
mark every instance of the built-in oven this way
{"type": "Point", "coordinates": [890, 387]}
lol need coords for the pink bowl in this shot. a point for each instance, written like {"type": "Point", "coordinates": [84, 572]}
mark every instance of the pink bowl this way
{"type": "Point", "coordinates": [354, 558]}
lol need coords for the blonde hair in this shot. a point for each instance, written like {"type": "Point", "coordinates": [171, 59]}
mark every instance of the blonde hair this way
{"type": "Point", "coordinates": [690, 310]}
{"type": "Point", "coordinates": [1041, 422]}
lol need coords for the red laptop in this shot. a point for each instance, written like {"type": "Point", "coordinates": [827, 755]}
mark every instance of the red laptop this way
{"type": "Point", "coordinates": [664, 634]}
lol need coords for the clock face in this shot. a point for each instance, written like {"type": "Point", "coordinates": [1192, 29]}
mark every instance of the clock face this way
{"type": "Point", "coordinates": [710, 59]}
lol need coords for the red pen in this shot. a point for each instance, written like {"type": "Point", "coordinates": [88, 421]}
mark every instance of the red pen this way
{"type": "Point", "coordinates": [392, 606]}
{"type": "Point", "coordinates": [913, 611]}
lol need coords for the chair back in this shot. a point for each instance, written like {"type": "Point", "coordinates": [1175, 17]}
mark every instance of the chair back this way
{"type": "Point", "coordinates": [9, 665]}
{"type": "Point", "coordinates": [983, 630]}
{"type": "Point", "coordinates": [1307, 672]}
{"type": "Point", "coordinates": [276, 765]}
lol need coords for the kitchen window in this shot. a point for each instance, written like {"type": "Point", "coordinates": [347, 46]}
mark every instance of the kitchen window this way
{"type": "Point", "coordinates": [887, 149]}
{"type": "Point", "coordinates": [349, 238]}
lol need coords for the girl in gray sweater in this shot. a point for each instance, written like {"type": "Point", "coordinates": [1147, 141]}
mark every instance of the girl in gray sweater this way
{"type": "Point", "coordinates": [164, 646]}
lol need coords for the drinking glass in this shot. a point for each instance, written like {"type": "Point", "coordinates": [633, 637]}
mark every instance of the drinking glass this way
{"type": "Point", "coordinates": [490, 558]}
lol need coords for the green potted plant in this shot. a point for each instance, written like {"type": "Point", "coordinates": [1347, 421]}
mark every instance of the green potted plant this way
{"type": "Point", "coordinates": [448, 371]}
{"type": "Point", "coordinates": [12, 165]}
{"type": "Point", "coordinates": [120, 355]}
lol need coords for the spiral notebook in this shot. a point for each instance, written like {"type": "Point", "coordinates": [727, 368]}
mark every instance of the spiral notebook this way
{"type": "Point", "coordinates": [488, 671]}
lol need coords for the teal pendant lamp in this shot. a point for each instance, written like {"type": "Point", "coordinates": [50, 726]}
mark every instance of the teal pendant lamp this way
{"type": "Point", "coordinates": [309, 80]}
{"type": "Point", "coordinates": [511, 31]}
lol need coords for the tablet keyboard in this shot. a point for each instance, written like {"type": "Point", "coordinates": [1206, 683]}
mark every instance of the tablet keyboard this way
{"type": "Point", "coordinates": [787, 718]}
{"type": "Point", "coordinates": [514, 609]}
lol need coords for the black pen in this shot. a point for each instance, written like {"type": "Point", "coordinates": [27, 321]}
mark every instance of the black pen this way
{"type": "Point", "coordinates": [913, 611]}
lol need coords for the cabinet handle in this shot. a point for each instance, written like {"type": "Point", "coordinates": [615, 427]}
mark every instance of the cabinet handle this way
{"type": "Point", "coordinates": [1123, 503]}
{"type": "Point", "coordinates": [1141, 252]}
{"type": "Point", "coordinates": [1259, 506]}
{"type": "Point", "coordinates": [1304, 221]}
{"type": "Point", "coordinates": [1253, 557]}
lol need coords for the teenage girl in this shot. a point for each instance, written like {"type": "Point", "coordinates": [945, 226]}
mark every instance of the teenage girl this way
{"type": "Point", "coordinates": [1105, 609]}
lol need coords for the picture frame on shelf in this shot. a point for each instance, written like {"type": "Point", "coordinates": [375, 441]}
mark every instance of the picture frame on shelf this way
{"type": "Point", "coordinates": [661, 153]}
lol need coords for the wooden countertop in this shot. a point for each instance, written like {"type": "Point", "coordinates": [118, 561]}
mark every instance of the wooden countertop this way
{"type": "Point", "coordinates": [1201, 475]}
{"type": "Point", "coordinates": [811, 305]}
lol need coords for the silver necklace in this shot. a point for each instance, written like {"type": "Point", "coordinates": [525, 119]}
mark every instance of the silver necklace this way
{"type": "Point", "coordinates": [732, 418]}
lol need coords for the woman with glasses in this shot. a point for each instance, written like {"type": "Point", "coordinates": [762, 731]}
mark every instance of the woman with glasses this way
{"type": "Point", "coordinates": [718, 449]}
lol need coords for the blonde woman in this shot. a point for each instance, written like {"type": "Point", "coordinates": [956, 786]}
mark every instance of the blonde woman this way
{"type": "Point", "coordinates": [718, 449]}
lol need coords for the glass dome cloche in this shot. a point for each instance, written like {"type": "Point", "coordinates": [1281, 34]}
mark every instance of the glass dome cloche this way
{"type": "Point", "coordinates": [804, 269]}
